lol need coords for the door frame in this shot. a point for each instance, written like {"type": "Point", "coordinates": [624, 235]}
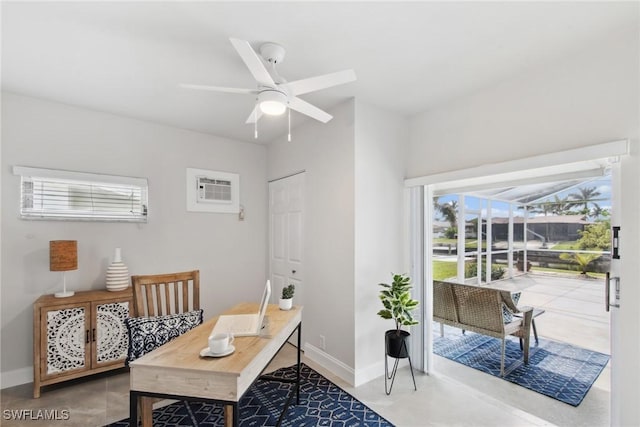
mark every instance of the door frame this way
{"type": "Point", "coordinates": [420, 203]}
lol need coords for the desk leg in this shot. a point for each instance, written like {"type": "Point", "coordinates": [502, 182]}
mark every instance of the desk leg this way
{"type": "Point", "coordinates": [146, 411]}
{"type": "Point", "coordinates": [133, 409]}
{"type": "Point", "coordinates": [236, 414]}
{"type": "Point", "coordinates": [231, 415]}
{"type": "Point", "coordinates": [298, 373]}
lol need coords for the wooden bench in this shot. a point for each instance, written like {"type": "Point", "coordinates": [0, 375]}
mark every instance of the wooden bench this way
{"type": "Point", "coordinates": [479, 309]}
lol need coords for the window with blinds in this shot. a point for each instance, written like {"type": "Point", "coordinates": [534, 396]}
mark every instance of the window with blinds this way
{"type": "Point", "coordinates": [56, 194]}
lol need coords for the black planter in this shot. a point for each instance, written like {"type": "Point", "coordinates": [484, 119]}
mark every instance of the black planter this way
{"type": "Point", "coordinates": [397, 344]}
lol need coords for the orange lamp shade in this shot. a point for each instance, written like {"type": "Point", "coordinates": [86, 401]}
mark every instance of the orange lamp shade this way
{"type": "Point", "coordinates": [63, 255]}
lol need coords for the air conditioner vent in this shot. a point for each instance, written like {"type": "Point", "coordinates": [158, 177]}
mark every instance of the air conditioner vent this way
{"type": "Point", "coordinates": [214, 190]}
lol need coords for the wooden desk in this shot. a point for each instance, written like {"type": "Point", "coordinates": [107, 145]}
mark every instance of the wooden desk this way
{"type": "Point", "coordinates": [176, 370]}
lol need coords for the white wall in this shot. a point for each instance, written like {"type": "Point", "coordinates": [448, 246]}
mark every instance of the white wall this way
{"type": "Point", "coordinates": [589, 98]}
{"type": "Point", "coordinates": [380, 148]}
{"type": "Point", "coordinates": [326, 153]}
{"type": "Point", "coordinates": [354, 170]}
{"type": "Point", "coordinates": [229, 253]}
{"type": "Point", "coordinates": [585, 99]}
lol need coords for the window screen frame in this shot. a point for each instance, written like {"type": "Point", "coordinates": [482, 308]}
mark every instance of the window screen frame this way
{"type": "Point", "coordinates": [101, 182]}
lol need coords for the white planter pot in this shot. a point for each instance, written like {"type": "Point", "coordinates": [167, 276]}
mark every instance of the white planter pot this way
{"type": "Point", "coordinates": [286, 304]}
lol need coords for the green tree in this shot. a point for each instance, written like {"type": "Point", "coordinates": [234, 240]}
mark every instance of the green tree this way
{"type": "Point", "coordinates": [545, 208]}
{"type": "Point", "coordinates": [449, 212]}
{"type": "Point", "coordinates": [583, 197]}
{"type": "Point", "coordinates": [595, 236]}
{"type": "Point", "coordinates": [561, 206]}
{"type": "Point", "coordinates": [599, 212]}
{"type": "Point", "coordinates": [451, 232]}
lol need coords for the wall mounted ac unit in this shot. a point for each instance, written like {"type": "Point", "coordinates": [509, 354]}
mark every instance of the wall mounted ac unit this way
{"type": "Point", "coordinates": [212, 191]}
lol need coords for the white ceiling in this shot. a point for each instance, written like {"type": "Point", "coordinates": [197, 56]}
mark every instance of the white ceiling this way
{"type": "Point", "coordinates": [128, 58]}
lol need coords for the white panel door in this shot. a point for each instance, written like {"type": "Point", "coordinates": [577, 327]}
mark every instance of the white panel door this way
{"type": "Point", "coordinates": [286, 221]}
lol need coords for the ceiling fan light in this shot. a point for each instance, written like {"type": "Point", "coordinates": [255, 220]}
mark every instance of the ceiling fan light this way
{"type": "Point", "coordinates": [272, 102]}
{"type": "Point", "coordinates": [272, 108]}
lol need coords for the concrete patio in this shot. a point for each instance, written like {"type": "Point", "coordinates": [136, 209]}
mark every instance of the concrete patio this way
{"type": "Point", "coordinates": [574, 314]}
{"type": "Point", "coordinates": [574, 309]}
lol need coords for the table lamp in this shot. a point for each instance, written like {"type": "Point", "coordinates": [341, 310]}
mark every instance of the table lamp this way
{"type": "Point", "coordinates": [63, 256]}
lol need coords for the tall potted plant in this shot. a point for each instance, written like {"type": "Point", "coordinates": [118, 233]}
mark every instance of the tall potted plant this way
{"type": "Point", "coordinates": [398, 305]}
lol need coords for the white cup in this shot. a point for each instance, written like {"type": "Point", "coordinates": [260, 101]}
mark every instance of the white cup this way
{"type": "Point", "coordinates": [219, 343]}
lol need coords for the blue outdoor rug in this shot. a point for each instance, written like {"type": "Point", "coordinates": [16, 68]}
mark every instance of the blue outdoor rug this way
{"type": "Point", "coordinates": [322, 403]}
{"type": "Point", "coordinates": [562, 371]}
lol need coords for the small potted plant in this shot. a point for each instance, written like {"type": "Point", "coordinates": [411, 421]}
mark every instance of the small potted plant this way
{"type": "Point", "coordinates": [398, 305]}
{"type": "Point", "coordinates": [286, 302]}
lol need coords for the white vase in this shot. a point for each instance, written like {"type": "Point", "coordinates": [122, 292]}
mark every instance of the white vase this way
{"type": "Point", "coordinates": [117, 277]}
{"type": "Point", "coordinates": [286, 304]}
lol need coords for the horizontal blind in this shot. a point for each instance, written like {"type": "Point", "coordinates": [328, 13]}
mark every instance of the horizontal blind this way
{"type": "Point", "coordinates": [53, 194]}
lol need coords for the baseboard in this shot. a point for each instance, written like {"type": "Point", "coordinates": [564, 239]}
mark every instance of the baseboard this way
{"type": "Point", "coordinates": [346, 373]}
{"type": "Point", "coordinates": [369, 373]}
{"type": "Point", "coordinates": [376, 370]}
{"type": "Point", "coordinates": [16, 377]}
{"type": "Point", "coordinates": [330, 363]}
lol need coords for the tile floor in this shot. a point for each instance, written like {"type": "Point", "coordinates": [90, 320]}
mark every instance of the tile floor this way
{"type": "Point", "coordinates": [453, 395]}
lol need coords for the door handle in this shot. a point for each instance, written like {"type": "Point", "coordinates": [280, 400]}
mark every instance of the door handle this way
{"type": "Point", "coordinates": [293, 272]}
{"type": "Point", "coordinates": [607, 291]}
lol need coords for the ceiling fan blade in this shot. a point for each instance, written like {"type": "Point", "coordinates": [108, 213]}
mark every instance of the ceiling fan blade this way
{"type": "Point", "coordinates": [310, 110]}
{"type": "Point", "coordinates": [253, 62]}
{"type": "Point", "coordinates": [219, 89]}
{"type": "Point", "coordinates": [312, 84]}
{"type": "Point", "coordinates": [255, 115]}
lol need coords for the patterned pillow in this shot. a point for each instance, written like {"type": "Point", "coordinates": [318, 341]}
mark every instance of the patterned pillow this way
{"type": "Point", "coordinates": [507, 315]}
{"type": "Point", "coordinates": [148, 333]}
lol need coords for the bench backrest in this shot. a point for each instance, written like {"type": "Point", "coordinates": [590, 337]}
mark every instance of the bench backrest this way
{"type": "Point", "coordinates": [444, 305]}
{"type": "Point", "coordinates": [468, 305]}
{"type": "Point", "coordinates": [481, 308]}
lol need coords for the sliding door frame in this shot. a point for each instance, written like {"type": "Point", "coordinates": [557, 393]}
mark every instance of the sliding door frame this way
{"type": "Point", "coordinates": [422, 189]}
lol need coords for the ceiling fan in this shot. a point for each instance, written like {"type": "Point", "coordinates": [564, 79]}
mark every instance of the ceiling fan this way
{"type": "Point", "coordinates": [273, 93]}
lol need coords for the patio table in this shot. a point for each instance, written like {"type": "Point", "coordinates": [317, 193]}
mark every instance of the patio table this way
{"type": "Point", "coordinates": [536, 312]}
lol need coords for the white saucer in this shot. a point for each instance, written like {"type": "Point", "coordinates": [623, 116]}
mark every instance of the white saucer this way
{"type": "Point", "coordinates": [206, 353]}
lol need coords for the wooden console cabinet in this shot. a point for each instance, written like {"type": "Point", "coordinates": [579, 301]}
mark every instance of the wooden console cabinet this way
{"type": "Point", "coordinates": [79, 335]}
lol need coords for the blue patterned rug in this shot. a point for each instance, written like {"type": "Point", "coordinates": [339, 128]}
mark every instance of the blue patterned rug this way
{"type": "Point", "coordinates": [558, 370]}
{"type": "Point", "coordinates": [322, 403]}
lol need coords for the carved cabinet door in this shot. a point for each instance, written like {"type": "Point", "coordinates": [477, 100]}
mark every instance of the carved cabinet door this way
{"type": "Point", "coordinates": [66, 341]}
{"type": "Point", "coordinates": [79, 335]}
{"type": "Point", "coordinates": [109, 332]}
